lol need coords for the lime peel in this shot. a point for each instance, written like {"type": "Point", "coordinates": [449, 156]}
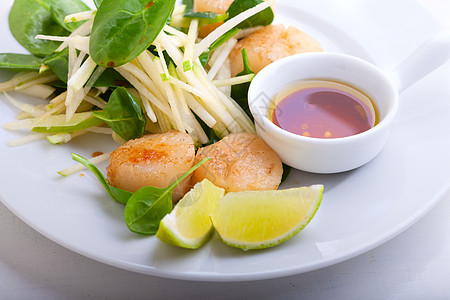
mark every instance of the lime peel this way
{"type": "Point", "coordinates": [189, 225]}
{"type": "Point", "coordinates": [262, 219]}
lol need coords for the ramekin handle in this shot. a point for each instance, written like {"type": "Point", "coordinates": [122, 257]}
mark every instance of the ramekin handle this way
{"type": "Point", "coordinates": [422, 61]}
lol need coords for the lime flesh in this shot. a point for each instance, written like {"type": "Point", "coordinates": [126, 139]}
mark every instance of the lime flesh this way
{"type": "Point", "coordinates": [262, 219]}
{"type": "Point", "coordinates": [189, 224]}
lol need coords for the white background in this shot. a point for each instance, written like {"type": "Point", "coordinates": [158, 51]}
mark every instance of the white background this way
{"type": "Point", "coordinates": [413, 265]}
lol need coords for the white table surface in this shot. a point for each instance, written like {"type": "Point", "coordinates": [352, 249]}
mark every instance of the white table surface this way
{"type": "Point", "coordinates": [413, 265]}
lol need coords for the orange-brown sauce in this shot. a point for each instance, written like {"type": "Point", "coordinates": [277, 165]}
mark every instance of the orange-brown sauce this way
{"type": "Point", "coordinates": [97, 153]}
{"type": "Point", "coordinates": [324, 109]}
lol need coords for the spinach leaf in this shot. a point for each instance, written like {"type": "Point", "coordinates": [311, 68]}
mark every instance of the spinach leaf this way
{"type": "Point", "coordinates": [117, 194]}
{"type": "Point", "coordinates": [97, 3]}
{"type": "Point", "coordinates": [205, 17]}
{"type": "Point", "coordinates": [146, 208]}
{"type": "Point", "coordinates": [61, 8]}
{"type": "Point", "coordinates": [123, 29]}
{"type": "Point", "coordinates": [59, 61]}
{"type": "Point", "coordinates": [28, 18]}
{"type": "Point", "coordinates": [204, 57]}
{"type": "Point", "coordinates": [189, 6]}
{"type": "Point", "coordinates": [189, 11]}
{"type": "Point", "coordinates": [20, 62]}
{"type": "Point", "coordinates": [286, 171]}
{"type": "Point", "coordinates": [123, 114]}
{"type": "Point", "coordinates": [111, 78]}
{"type": "Point", "coordinates": [262, 18]}
{"type": "Point", "coordinates": [239, 92]}
{"type": "Point", "coordinates": [167, 58]}
{"type": "Point", "coordinates": [213, 137]}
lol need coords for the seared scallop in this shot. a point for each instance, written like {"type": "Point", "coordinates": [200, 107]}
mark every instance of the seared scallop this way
{"type": "Point", "coordinates": [155, 160]}
{"type": "Point", "coordinates": [215, 6]}
{"type": "Point", "coordinates": [240, 162]}
{"type": "Point", "coordinates": [269, 44]}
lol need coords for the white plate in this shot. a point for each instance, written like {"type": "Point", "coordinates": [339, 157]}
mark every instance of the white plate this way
{"type": "Point", "coordinates": [360, 210]}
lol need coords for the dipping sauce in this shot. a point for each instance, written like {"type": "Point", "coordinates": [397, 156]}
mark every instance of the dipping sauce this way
{"type": "Point", "coordinates": [323, 109]}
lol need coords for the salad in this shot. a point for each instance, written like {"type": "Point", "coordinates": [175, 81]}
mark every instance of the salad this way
{"type": "Point", "coordinates": [120, 70]}
{"type": "Point", "coordinates": [127, 69]}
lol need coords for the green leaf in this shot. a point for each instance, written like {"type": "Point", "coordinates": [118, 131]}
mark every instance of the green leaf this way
{"type": "Point", "coordinates": [62, 8]}
{"type": "Point", "coordinates": [213, 137]}
{"type": "Point", "coordinates": [123, 29]}
{"type": "Point", "coordinates": [117, 194]}
{"type": "Point", "coordinates": [58, 63]}
{"type": "Point", "coordinates": [239, 92]}
{"type": "Point", "coordinates": [286, 171]}
{"type": "Point", "coordinates": [262, 18]}
{"type": "Point", "coordinates": [20, 62]}
{"type": "Point", "coordinates": [97, 3]}
{"type": "Point", "coordinates": [189, 6]}
{"type": "Point", "coordinates": [146, 208]}
{"type": "Point", "coordinates": [204, 17]}
{"type": "Point", "coordinates": [204, 57]}
{"type": "Point", "coordinates": [148, 205]}
{"type": "Point", "coordinates": [28, 18]}
{"type": "Point", "coordinates": [111, 78]}
{"type": "Point", "coordinates": [123, 114]}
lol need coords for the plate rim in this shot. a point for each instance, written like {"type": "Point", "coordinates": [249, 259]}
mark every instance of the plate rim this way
{"type": "Point", "coordinates": [217, 277]}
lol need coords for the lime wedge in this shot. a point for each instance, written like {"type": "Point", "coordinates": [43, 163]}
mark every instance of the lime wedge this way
{"type": "Point", "coordinates": [262, 219]}
{"type": "Point", "coordinates": [189, 224]}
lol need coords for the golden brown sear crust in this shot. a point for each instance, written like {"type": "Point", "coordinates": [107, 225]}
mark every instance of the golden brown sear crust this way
{"type": "Point", "coordinates": [153, 160]}
{"type": "Point", "coordinates": [269, 44]}
{"type": "Point", "coordinates": [240, 162]}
